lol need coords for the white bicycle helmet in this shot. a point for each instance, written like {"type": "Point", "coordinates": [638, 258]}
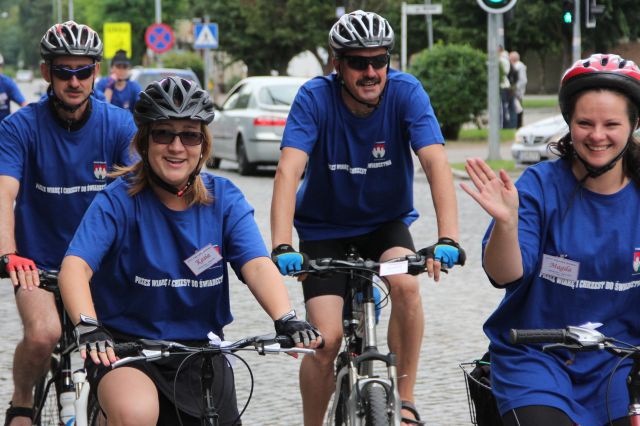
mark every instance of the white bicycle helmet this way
{"type": "Point", "coordinates": [360, 30]}
{"type": "Point", "coordinates": [71, 39]}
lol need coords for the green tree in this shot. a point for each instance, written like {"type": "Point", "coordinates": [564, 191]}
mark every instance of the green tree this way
{"type": "Point", "coordinates": [455, 77]}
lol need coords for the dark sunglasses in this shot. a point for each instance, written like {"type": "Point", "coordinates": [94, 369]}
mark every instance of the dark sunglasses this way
{"type": "Point", "coordinates": [165, 137]}
{"type": "Point", "coordinates": [64, 73]}
{"type": "Point", "coordinates": [361, 63]}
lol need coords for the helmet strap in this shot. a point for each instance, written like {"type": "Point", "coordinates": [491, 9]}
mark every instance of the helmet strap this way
{"type": "Point", "coordinates": [178, 192]}
{"type": "Point", "coordinates": [59, 103]}
{"type": "Point", "coordinates": [367, 104]}
{"type": "Point", "coordinates": [594, 172]}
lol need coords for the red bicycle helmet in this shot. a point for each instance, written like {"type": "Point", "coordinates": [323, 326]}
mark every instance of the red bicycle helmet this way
{"type": "Point", "coordinates": [604, 71]}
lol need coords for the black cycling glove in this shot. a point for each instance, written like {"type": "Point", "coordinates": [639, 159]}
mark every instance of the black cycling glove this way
{"type": "Point", "coordinates": [446, 251]}
{"type": "Point", "coordinates": [91, 335]}
{"type": "Point", "coordinates": [299, 330]}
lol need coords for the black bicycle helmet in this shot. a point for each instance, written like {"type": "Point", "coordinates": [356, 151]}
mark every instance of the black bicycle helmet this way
{"type": "Point", "coordinates": [71, 39]}
{"type": "Point", "coordinates": [173, 98]}
{"type": "Point", "coordinates": [600, 71]}
{"type": "Point", "coordinates": [360, 30]}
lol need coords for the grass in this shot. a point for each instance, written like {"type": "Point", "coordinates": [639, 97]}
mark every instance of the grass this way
{"type": "Point", "coordinates": [496, 165]}
{"type": "Point", "coordinates": [482, 135]}
{"type": "Point", "coordinates": [550, 102]}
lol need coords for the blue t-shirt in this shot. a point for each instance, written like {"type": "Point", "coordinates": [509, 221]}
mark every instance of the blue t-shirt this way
{"type": "Point", "coordinates": [137, 248]}
{"type": "Point", "coordinates": [360, 170]}
{"type": "Point", "coordinates": [8, 92]}
{"type": "Point", "coordinates": [125, 98]}
{"type": "Point", "coordinates": [60, 172]}
{"type": "Point", "coordinates": [602, 234]}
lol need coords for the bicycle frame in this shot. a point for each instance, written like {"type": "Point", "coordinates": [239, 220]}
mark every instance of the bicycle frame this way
{"type": "Point", "coordinates": [360, 355]}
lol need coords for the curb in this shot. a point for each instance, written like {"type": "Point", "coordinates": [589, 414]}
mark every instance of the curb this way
{"type": "Point", "coordinates": [462, 175]}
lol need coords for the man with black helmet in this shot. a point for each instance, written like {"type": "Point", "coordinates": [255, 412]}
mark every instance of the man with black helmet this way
{"type": "Point", "coordinates": [54, 157]}
{"type": "Point", "coordinates": [357, 129]}
{"type": "Point", "coordinates": [117, 88]}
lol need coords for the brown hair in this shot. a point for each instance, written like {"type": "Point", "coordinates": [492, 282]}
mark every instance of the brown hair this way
{"type": "Point", "coordinates": [138, 176]}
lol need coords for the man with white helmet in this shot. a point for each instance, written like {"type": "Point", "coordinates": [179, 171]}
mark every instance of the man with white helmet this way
{"type": "Point", "coordinates": [352, 134]}
{"type": "Point", "coordinates": [54, 156]}
{"type": "Point", "coordinates": [8, 92]}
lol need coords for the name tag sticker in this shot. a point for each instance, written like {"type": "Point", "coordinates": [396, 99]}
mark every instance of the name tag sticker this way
{"type": "Point", "coordinates": [394, 268]}
{"type": "Point", "coordinates": [203, 259]}
{"type": "Point", "coordinates": [559, 267]}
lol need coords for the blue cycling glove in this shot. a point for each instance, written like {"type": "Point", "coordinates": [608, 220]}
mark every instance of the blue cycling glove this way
{"type": "Point", "coordinates": [287, 259]}
{"type": "Point", "coordinates": [446, 251]}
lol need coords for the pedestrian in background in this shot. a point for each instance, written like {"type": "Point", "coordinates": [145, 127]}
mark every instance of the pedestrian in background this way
{"type": "Point", "coordinates": [8, 92]}
{"type": "Point", "coordinates": [507, 97]}
{"type": "Point", "coordinates": [521, 85]}
{"type": "Point", "coordinates": [117, 88]}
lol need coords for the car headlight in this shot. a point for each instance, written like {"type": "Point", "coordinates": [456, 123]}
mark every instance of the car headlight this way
{"type": "Point", "coordinates": [519, 138]}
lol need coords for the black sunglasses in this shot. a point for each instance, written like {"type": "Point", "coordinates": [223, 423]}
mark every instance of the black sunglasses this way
{"type": "Point", "coordinates": [165, 137]}
{"type": "Point", "coordinates": [361, 63]}
{"type": "Point", "coordinates": [64, 73]}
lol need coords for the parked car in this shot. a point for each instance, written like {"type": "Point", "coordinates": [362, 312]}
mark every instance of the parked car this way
{"type": "Point", "coordinates": [532, 140]}
{"type": "Point", "coordinates": [144, 76]}
{"type": "Point", "coordinates": [248, 127]}
{"type": "Point", "coordinates": [24, 76]}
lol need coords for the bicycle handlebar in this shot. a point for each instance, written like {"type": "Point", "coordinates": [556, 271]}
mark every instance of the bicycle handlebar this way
{"type": "Point", "coordinates": [573, 338]}
{"type": "Point", "coordinates": [151, 350]}
{"type": "Point", "coordinates": [416, 264]}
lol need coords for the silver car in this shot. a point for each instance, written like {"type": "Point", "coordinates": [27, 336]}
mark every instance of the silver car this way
{"type": "Point", "coordinates": [145, 76]}
{"type": "Point", "coordinates": [532, 141]}
{"type": "Point", "coordinates": [248, 127]}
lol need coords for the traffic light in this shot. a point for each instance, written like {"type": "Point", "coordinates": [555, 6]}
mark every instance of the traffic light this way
{"type": "Point", "coordinates": [568, 10]}
{"type": "Point", "coordinates": [496, 6]}
{"type": "Point", "coordinates": [592, 11]}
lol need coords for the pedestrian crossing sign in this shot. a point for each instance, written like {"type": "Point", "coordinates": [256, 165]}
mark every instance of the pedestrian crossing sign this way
{"type": "Point", "coordinates": [206, 36]}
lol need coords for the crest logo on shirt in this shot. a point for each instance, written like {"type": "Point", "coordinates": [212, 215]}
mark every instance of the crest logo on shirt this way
{"type": "Point", "coordinates": [100, 170]}
{"type": "Point", "coordinates": [636, 260]}
{"type": "Point", "coordinates": [378, 150]}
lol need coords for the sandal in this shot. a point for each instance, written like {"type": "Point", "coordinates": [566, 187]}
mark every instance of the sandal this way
{"type": "Point", "coordinates": [17, 412]}
{"type": "Point", "coordinates": [409, 406]}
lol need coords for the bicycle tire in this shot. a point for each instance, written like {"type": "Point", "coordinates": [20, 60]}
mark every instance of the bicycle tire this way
{"type": "Point", "coordinates": [375, 406]}
{"type": "Point", "coordinates": [342, 410]}
{"type": "Point", "coordinates": [94, 417]}
{"type": "Point", "coordinates": [50, 413]}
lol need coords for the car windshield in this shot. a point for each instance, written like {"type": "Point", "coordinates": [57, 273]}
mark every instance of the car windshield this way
{"type": "Point", "coordinates": [278, 95]}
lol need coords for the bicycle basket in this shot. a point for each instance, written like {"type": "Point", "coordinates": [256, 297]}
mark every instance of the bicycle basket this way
{"type": "Point", "coordinates": [483, 408]}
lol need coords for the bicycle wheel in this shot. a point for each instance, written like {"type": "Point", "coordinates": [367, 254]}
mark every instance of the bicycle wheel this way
{"type": "Point", "coordinates": [342, 411]}
{"type": "Point", "coordinates": [375, 406]}
{"type": "Point", "coordinates": [46, 398]}
{"type": "Point", "coordinates": [94, 413]}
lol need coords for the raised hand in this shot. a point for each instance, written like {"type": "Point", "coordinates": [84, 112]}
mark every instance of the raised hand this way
{"type": "Point", "coordinates": [497, 195]}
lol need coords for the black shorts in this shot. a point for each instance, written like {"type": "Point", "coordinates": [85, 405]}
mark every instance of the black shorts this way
{"type": "Point", "coordinates": [188, 392]}
{"type": "Point", "coordinates": [370, 246]}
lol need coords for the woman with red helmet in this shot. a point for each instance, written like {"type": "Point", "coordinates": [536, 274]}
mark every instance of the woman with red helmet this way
{"type": "Point", "coordinates": [563, 243]}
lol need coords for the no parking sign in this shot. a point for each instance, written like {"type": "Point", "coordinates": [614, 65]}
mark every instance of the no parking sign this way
{"type": "Point", "coordinates": [159, 37]}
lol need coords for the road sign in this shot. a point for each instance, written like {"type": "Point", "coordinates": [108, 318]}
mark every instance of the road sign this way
{"type": "Point", "coordinates": [424, 9]}
{"type": "Point", "coordinates": [117, 36]}
{"type": "Point", "coordinates": [206, 36]}
{"type": "Point", "coordinates": [159, 37]}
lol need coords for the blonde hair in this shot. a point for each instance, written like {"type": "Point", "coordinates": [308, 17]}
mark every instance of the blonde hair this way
{"type": "Point", "coordinates": [138, 175]}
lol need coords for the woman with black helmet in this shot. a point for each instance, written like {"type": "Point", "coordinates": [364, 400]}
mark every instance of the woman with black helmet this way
{"type": "Point", "coordinates": [564, 243]}
{"type": "Point", "coordinates": [155, 246]}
